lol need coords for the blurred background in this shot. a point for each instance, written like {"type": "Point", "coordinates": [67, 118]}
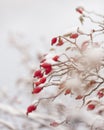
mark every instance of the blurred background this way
{"type": "Point", "coordinates": [26, 29]}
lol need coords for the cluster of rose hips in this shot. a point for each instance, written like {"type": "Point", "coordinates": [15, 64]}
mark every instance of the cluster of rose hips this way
{"type": "Point", "coordinates": [46, 69]}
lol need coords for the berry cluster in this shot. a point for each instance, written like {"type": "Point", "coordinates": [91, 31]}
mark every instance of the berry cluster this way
{"type": "Point", "coordinates": [77, 69]}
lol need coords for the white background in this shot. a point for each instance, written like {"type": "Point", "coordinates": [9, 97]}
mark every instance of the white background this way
{"type": "Point", "coordinates": [37, 21]}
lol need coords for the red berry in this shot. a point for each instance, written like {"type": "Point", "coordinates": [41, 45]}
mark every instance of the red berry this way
{"type": "Point", "coordinates": [55, 58]}
{"type": "Point", "coordinates": [80, 10]}
{"type": "Point", "coordinates": [100, 94]}
{"type": "Point", "coordinates": [38, 74]}
{"type": "Point", "coordinates": [79, 97]}
{"type": "Point", "coordinates": [31, 108]}
{"type": "Point", "coordinates": [74, 35]}
{"type": "Point", "coordinates": [68, 91]}
{"type": "Point", "coordinates": [47, 67]}
{"type": "Point", "coordinates": [42, 80]}
{"type": "Point", "coordinates": [48, 70]}
{"type": "Point", "coordinates": [37, 90]}
{"type": "Point", "coordinates": [54, 40]}
{"type": "Point", "coordinates": [37, 83]}
{"type": "Point", "coordinates": [91, 106]}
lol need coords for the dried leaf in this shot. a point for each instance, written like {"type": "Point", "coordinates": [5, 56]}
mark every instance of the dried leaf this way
{"type": "Point", "coordinates": [68, 48]}
{"type": "Point", "coordinates": [67, 35]}
{"type": "Point", "coordinates": [81, 19]}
